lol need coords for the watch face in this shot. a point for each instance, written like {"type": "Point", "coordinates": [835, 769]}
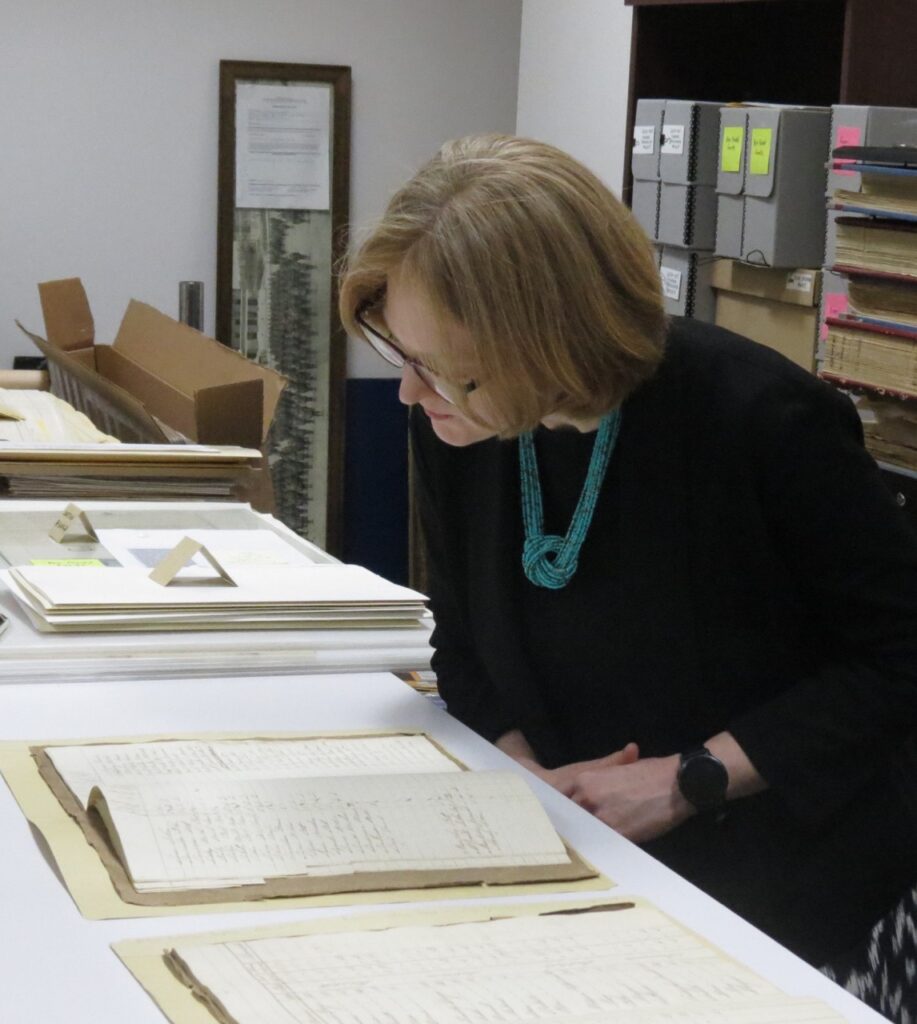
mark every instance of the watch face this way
{"type": "Point", "coordinates": [702, 780]}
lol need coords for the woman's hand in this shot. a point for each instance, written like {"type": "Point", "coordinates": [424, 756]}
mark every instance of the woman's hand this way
{"type": "Point", "coordinates": [517, 746]}
{"type": "Point", "coordinates": [639, 799]}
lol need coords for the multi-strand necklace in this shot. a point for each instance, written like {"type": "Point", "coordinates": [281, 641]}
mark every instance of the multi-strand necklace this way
{"type": "Point", "coordinates": [549, 560]}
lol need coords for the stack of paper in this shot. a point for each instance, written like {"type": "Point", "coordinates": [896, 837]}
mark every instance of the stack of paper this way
{"type": "Point", "coordinates": [37, 469]}
{"type": "Point", "coordinates": [93, 598]}
{"type": "Point", "coordinates": [48, 449]}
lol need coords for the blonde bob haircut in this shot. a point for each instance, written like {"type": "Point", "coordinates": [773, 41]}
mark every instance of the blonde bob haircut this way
{"type": "Point", "coordinates": [549, 273]}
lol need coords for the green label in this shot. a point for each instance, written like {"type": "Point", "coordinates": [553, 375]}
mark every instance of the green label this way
{"type": "Point", "coordinates": [77, 562]}
{"type": "Point", "coordinates": [731, 153]}
{"type": "Point", "coordinates": [760, 160]}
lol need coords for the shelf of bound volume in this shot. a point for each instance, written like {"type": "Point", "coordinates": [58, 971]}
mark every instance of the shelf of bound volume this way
{"type": "Point", "coordinates": [869, 337]}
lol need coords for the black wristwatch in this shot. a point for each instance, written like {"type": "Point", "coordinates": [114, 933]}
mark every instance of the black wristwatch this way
{"type": "Point", "coordinates": [703, 781]}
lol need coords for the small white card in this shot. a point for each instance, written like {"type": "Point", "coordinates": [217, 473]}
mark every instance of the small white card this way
{"type": "Point", "coordinates": [671, 283]}
{"type": "Point", "coordinates": [673, 136]}
{"type": "Point", "coordinates": [800, 280]}
{"type": "Point", "coordinates": [644, 139]}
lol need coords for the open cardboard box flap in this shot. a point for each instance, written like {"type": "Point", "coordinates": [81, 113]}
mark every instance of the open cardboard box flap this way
{"type": "Point", "coordinates": [192, 383]}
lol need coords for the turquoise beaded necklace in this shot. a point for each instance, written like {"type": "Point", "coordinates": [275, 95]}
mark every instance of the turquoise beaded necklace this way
{"type": "Point", "coordinates": [549, 560]}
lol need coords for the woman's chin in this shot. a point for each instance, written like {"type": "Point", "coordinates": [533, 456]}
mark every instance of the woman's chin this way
{"type": "Point", "coordinates": [457, 431]}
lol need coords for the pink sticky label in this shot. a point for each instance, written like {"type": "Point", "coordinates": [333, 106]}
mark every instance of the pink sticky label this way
{"type": "Point", "coordinates": [847, 135]}
{"type": "Point", "coordinates": [834, 305]}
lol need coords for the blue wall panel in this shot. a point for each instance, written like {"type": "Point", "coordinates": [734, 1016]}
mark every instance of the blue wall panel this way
{"type": "Point", "coordinates": [376, 478]}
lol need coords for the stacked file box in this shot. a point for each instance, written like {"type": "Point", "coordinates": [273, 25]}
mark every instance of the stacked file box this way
{"type": "Point", "coordinates": [768, 183]}
{"type": "Point", "coordinates": [674, 170]}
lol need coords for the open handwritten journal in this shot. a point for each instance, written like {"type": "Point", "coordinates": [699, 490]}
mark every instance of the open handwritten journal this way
{"type": "Point", "coordinates": [625, 963]}
{"type": "Point", "coordinates": [182, 821]}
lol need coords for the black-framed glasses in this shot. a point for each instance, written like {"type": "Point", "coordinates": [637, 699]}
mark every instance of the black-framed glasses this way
{"type": "Point", "coordinates": [375, 331]}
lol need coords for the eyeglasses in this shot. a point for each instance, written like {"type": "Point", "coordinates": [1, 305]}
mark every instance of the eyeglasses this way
{"type": "Point", "coordinates": [377, 334]}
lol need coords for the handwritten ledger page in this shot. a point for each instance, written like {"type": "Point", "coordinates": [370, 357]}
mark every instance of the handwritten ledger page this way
{"type": "Point", "coordinates": [104, 764]}
{"type": "Point", "coordinates": [207, 834]}
{"type": "Point", "coordinates": [188, 815]}
{"type": "Point", "coordinates": [633, 965]}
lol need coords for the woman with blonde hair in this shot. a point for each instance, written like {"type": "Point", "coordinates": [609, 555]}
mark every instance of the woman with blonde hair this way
{"type": "Point", "coordinates": [665, 574]}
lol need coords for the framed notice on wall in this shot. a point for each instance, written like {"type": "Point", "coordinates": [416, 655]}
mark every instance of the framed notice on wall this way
{"type": "Point", "coordinates": [284, 182]}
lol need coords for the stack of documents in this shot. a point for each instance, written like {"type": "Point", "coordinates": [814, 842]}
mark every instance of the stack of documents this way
{"type": "Point", "coordinates": [49, 450]}
{"type": "Point", "coordinates": [114, 470]}
{"type": "Point", "coordinates": [92, 598]}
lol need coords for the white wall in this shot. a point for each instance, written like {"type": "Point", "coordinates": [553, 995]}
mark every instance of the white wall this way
{"type": "Point", "coordinates": [108, 122]}
{"type": "Point", "coordinates": [573, 70]}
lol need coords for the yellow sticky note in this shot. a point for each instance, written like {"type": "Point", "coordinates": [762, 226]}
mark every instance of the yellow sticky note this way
{"type": "Point", "coordinates": [731, 151]}
{"type": "Point", "coordinates": [68, 561]}
{"type": "Point", "coordinates": [760, 160]}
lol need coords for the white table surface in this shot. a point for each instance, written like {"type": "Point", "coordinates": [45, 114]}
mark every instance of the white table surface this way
{"type": "Point", "coordinates": [57, 967]}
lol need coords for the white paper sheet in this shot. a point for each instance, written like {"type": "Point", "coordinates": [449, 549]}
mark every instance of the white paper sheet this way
{"type": "Point", "coordinates": [283, 151]}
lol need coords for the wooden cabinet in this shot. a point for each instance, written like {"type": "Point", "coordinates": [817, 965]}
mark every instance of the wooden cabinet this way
{"type": "Point", "coordinates": [779, 51]}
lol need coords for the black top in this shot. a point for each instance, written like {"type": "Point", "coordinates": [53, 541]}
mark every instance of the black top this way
{"type": "Point", "coordinates": [746, 570]}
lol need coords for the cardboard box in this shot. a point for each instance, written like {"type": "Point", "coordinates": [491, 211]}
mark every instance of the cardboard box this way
{"type": "Point", "coordinates": [160, 380]}
{"type": "Point", "coordinates": [158, 372]}
{"type": "Point", "coordinates": [777, 308]}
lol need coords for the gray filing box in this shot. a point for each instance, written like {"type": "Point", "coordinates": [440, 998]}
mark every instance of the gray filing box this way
{"type": "Point", "coordinates": [686, 283]}
{"type": "Point", "coordinates": [644, 159]}
{"type": "Point", "coordinates": [730, 225]}
{"type": "Point", "coordinates": [687, 154]}
{"type": "Point", "coordinates": [645, 206]}
{"type": "Point", "coordinates": [644, 164]}
{"type": "Point", "coordinates": [784, 182]}
{"type": "Point", "coordinates": [687, 215]}
{"type": "Point", "coordinates": [730, 181]}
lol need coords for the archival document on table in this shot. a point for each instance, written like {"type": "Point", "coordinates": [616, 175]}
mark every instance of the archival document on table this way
{"type": "Point", "coordinates": [295, 817]}
{"type": "Point", "coordinates": [631, 965]}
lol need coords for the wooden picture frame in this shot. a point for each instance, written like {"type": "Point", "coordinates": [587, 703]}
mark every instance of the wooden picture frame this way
{"type": "Point", "coordinates": [282, 220]}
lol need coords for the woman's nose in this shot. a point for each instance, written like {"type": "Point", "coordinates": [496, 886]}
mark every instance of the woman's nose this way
{"type": "Point", "coordinates": [412, 388]}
